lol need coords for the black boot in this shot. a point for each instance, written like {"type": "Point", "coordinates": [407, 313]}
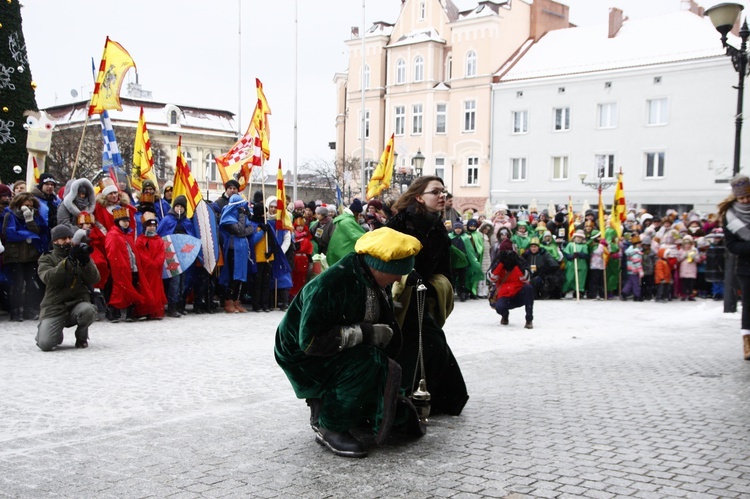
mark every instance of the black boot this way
{"type": "Point", "coordinates": [181, 307]}
{"type": "Point", "coordinates": [341, 443]}
{"type": "Point", "coordinates": [113, 314]}
{"type": "Point", "coordinates": [16, 315]}
{"type": "Point", "coordinates": [130, 314]}
{"type": "Point", "coordinates": [172, 311]}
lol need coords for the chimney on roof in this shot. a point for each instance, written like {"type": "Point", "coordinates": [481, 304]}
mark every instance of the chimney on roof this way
{"type": "Point", "coordinates": [693, 7]}
{"type": "Point", "coordinates": [615, 21]}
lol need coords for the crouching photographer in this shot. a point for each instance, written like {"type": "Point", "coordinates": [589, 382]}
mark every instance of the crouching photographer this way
{"type": "Point", "coordinates": [68, 274]}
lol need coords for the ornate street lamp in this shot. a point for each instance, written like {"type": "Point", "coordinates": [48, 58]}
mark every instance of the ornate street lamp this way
{"type": "Point", "coordinates": [404, 176]}
{"type": "Point", "coordinates": [723, 17]}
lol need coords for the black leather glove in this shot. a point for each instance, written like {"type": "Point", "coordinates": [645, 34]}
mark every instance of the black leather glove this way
{"type": "Point", "coordinates": [413, 278]}
{"type": "Point", "coordinates": [84, 256]}
{"type": "Point", "coordinates": [568, 257]}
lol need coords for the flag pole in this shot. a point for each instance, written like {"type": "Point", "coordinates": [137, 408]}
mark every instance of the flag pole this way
{"type": "Point", "coordinates": [296, 44]}
{"type": "Point", "coordinates": [80, 146]}
{"type": "Point", "coordinates": [362, 84]}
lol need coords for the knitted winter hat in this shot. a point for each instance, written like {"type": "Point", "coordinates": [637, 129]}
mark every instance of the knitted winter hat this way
{"type": "Point", "coordinates": [388, 250]}
{"type": "Point", "coordinates": [61, 232]}
{"type": "Point", "coordinates": [5, 191]}
{"type": "Point", "coordinates": [376, 203]}
{"type": "Point", "coordinates": [321, 210]}
{"type": "Point", "coordinates": [740, 186]}
{"type": "Point", "coordinates": [506, 245]}
{"type": "Point", "coordinates": [180, 200]}
{"type": "Point", "coordinates": [232, 183]}
{"type": "Point", "coordinates": [356, 206]}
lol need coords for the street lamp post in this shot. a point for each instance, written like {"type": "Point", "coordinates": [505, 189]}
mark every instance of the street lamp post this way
{"type": "Point", "coordinates": [723, 17]}
{"type": "Point", "coordinates": [404, 177]}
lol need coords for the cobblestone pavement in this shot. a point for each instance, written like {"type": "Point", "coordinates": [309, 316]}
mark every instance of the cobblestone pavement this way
{"type": "Point", "coordinates": [603, 399]}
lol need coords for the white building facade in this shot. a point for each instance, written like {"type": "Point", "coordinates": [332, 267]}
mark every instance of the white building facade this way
{"type": "Point", "coordinates": [655, 100]}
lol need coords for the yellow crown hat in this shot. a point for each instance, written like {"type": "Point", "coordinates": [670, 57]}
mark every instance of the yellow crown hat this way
{"type": "Point", "coordinates": [388, 250]}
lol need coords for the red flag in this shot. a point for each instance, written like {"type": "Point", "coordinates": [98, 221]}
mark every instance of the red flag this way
{"type": "Point", "coordinates": [184, 183]}
{"type": "Point", "coordinates": [283, 217]}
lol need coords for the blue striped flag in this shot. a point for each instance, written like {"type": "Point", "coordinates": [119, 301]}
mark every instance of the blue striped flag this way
{"type": "Point", "coordinates": [111, 154]}
{"type": "Point", "coordinates": [339, 201]}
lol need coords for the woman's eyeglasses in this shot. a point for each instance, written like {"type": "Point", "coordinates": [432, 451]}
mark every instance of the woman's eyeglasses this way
{"type": "Point", "coordinates": [438, 192]}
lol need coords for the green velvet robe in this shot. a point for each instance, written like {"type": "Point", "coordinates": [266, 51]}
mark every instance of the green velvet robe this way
{"type": "Point", "coordinates": [345, 235]}
{"type": "Point", "coordinates": [350, 382]}
{"type": "Point", "coordinates": [570, 268]}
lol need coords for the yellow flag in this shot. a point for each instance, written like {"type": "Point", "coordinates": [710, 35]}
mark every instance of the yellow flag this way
{"type": "Point", "coordinates": [143, 160]}
{"type": "Point", "coordinates": [381, 177]}
{"type": "Point", "coordinates": [618, 207]}
{"type": "Point", "coordinates": [115, 63]}
{"type": "Point", "coordinates": [184, 183]}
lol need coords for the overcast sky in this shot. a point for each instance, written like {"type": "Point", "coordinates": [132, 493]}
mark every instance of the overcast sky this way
{"type": "Point", "coordinates": [188, 51]}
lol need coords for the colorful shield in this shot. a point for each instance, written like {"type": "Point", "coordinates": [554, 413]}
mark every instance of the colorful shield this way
{"type": "Point", "coordinates": [181, 251]}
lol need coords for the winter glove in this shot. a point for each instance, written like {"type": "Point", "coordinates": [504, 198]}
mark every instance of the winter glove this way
{"type": "Point", "coordinates": [377, 335]}
{"type": "Point", "coordinates": [28, 213]}
{"type": "Point", "coordinates": [413, 278]}
{"type": "Point", "coordinates": [268, 254]}
{"type": "Point", "coordinates": [568, 257]}
{"type": "Point", "coordinates": [79, 236]}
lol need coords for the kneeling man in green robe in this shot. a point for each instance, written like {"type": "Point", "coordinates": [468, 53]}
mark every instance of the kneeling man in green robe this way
{"type": "Point", "coordinates": [338, 340]}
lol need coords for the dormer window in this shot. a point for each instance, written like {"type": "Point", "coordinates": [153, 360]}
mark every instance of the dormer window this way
{"type": "Point", "coordinates": [422, 11]}
{"type": "Point", "coordinates": [173, 117]}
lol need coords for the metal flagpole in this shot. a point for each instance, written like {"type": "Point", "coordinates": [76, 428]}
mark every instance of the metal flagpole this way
{"type": "Point", "coordinates": [362, 84]}
{"type": "Point", "coordinates": [296, 45]}
{"type": "Point", "coordinates": [239, 68]}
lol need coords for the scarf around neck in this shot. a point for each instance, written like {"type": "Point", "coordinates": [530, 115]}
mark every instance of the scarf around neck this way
{"type": "Point", "coordinates": [738, 220]}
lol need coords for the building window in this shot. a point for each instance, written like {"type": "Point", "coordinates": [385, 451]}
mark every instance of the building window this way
{"type": "Point", "coordinates": [520, 121]}
{"type": "Point", "coordinates": [400, 72]}
{"type": "Point", "coordinates": [400, 114]}
{"type": "Point", "coordinates": [440, 168]}
{"type": "Point", "coordinates": [562, 118]}
{"type": "Point", "coordinates": [211, 167]}
{"type": "Point", "coordinates": [416, 122]}
{"type": "Point", "coordinates": [471, 64]}
{"type": "Point", "coordinates": [605, 165]}
{"type": "Point", "coordinates": [607, 115]}
{"type": "Point", "coordinates": [173, 117]}
{"type": "Point", "coordinates": [441, 118]}
{"type": "Point", "coordinates": [418, 68]}
{"type": "Point", "coordinates": [449, 68]}
{"type": "Point", "coordinates": [470, 115]}
{"type": "Point", "coordinates": [367, 124]}
{"type": "Point", "coordinates": [472, 171]}
{"type": "Point", "coordinates": [518, 168]}
{"type": "Point", "coordinates": [657, 111]}
{"type": "Point", "coordinates": [559, 168]}
{"type": "Point", "coordinates": [654, 164]}
{"type": "Point", "coordinates": [422, 11]}
{"type": "Point", "coordinates": [367, 76]}
{"type": "Point", "coordinates": [188, 160]}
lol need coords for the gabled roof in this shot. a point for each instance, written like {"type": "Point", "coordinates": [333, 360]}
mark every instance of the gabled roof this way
{"type": "Point", "coordinates": [680, 36]}
{"type": "Point", "coordinates": [418, 36]}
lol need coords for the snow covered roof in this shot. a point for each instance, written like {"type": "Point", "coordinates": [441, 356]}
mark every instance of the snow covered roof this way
{"type": "Point", "coordinates": [418, 36]}
{"type": "Point", "coordinates": [157, 115]}
{"type": "Point", "coordinates": [675, 37]}
{"type": "Point", "coordinates": [481, 10]}
{"type": "Point", "coordinates": [380, 28]}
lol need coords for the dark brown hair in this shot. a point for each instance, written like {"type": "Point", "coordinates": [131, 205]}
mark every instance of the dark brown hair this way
{"type": "Point", "coordinates": [20, 198]}
{"type": "Point", "coordinates": [415, 189]}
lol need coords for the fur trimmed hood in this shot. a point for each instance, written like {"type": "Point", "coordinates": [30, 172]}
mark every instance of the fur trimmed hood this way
{"type": "Point", "coordinates": [72, 194]}
{"type": "Point", "coordinates": [124, 199]}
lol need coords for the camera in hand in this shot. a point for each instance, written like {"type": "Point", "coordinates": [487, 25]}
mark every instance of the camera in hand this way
{"type": "Point", "coordinates": [86, 249]}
